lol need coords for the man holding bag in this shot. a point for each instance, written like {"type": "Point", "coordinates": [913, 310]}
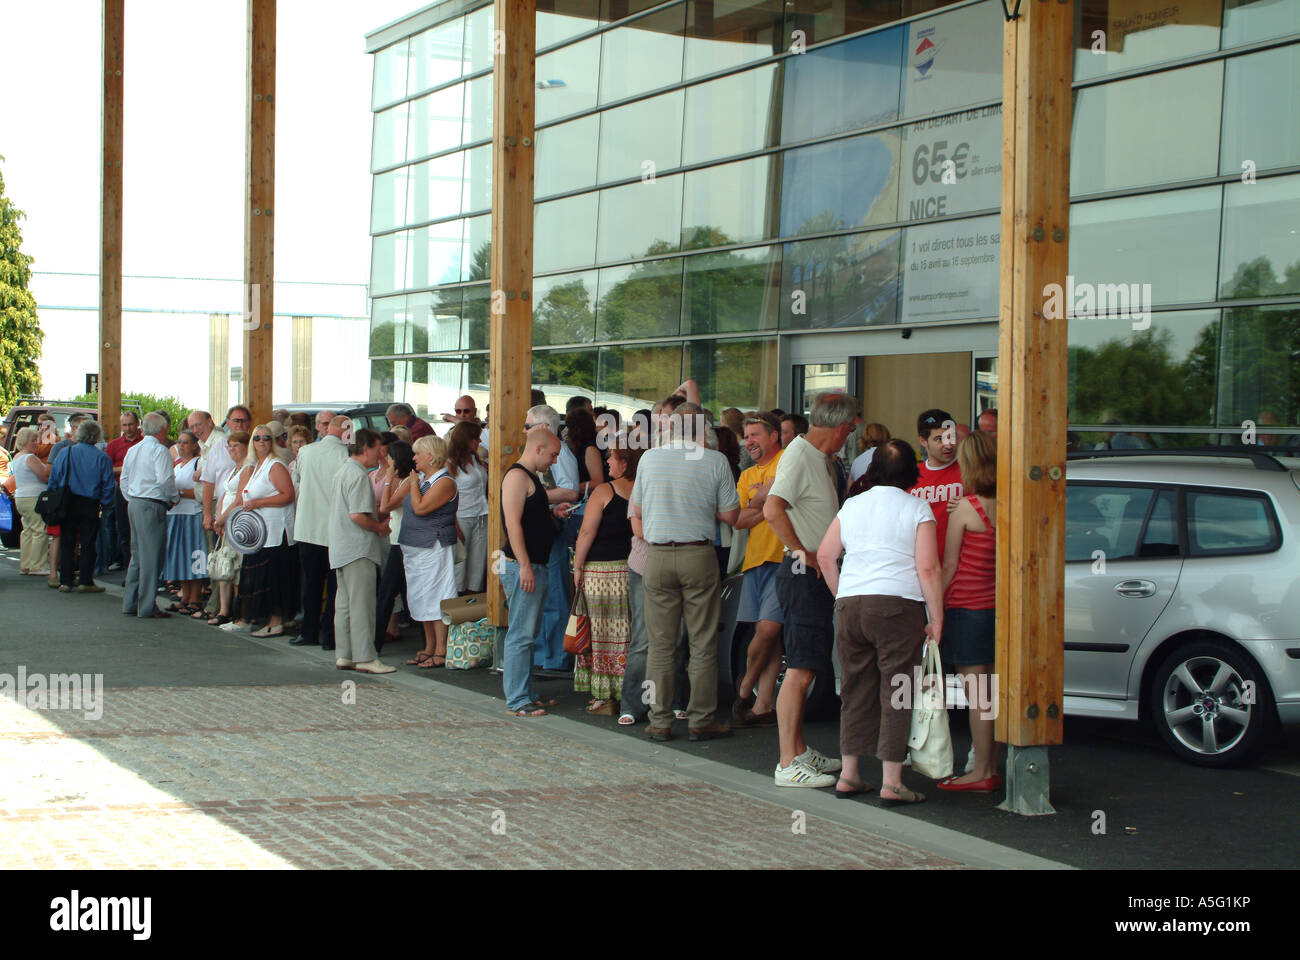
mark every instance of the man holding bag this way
{"type": "Point", "coordinates": [891, 578]}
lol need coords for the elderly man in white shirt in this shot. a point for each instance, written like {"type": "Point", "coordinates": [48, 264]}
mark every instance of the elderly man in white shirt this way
{"type": "Point", "coordinates": [316, 466]}
{"type": "Point", "coordinates": [149, 486]}
{"type": "Point", "coordinates": [214, 469]}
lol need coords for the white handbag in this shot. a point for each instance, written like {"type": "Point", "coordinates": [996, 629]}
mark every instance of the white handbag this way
{"type": "Point", "coordinates": [929, 742]}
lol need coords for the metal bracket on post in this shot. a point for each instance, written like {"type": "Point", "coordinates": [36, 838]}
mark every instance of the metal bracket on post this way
{"type": "Point", "coordinates": [1027, 782]}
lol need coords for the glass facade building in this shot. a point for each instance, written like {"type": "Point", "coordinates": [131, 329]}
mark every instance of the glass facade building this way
{"type": "Point", "coordinates": [770, 196]}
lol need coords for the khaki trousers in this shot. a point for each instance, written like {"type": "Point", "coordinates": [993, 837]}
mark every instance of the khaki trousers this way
{"type": "Point", "coordinates": [34, 543]}
{"type": "Point", "coordinates": [354, 611]}
{"type": "Point", "coordinates": [681, 584]}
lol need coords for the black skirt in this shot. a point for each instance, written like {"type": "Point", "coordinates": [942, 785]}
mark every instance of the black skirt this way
{"type": "Point", "coordinates": [269, 583]}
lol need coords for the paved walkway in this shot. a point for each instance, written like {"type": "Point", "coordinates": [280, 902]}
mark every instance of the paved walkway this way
{"type": "Point", "coordinates": [223, 751]}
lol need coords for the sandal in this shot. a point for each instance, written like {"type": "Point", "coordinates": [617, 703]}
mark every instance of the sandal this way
{"type": "Point", "coordinates": [178, 607]}
{"type": "Point", "coordinates": [601, 708]}
{"type": "Point", "coordinates": [527, 712]}
{"type": "Point", "coordinates": [903, 796]}
{"type": "Point", "coordinates": [198, 613]}
{"type": "Point", "coordinates": [432, 662]}
{"type": "Point", "coordinates": [268, 632]}
{"type": "Point", "coordinates": [858, 787]}
{"type": "Point", "coordinates": [541, 704]}
{"type": "Point", "coordinates": [626, 720]}
{"type": "Point", "coordinates": [219, 620]}
{"type": "Point", "coordinates": [419, 660]}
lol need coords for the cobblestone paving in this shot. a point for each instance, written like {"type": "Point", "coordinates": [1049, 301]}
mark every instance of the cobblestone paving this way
{"type": "Point", "coordinates": [293, 777]}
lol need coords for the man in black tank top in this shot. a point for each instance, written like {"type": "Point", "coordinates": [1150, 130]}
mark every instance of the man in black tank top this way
{"type": "Point", "coordinates": [529, 537]}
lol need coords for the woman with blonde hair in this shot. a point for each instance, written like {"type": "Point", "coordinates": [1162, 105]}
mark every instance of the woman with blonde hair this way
{"type": "Point", "coordinates": [229, 559]}
{"type": "Point", "coordinates": [268, 582]}
{"type": "Point", "coordinates": [428, 499]}
{"type": "Point", "coordinates": [185, 561]}
{"type": "Point", "coordinates": [969, 579]}
{"type": "Point", "coordinates": [28, 476]}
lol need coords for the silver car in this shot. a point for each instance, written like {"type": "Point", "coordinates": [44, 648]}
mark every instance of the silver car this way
{"type": "Point", "coordinates": [1182, 596]}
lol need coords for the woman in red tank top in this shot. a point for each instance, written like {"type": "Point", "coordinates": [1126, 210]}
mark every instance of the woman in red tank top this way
{"type": "Point", "coordinates": [969, 585]}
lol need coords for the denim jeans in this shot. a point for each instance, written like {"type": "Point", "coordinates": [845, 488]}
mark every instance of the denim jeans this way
{"type": "Point", "coordinates": [525, 618]}
{"type": "Point", "coordinates": [549, 653]}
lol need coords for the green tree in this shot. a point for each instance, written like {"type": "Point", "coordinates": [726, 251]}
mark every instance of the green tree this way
{"type": "Point", "coordinates": [20, 329]}
{"type": "Point", "coordinates": [148, 402]}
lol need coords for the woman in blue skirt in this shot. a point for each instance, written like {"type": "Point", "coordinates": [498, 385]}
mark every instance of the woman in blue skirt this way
{"type": "Point", "coordinates": [186, 563]}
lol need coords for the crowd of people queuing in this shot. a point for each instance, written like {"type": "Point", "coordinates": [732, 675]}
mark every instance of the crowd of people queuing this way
{"type": "Point", "coordinates": [843, 535]}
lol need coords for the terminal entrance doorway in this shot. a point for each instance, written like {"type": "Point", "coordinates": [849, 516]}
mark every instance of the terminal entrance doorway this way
{"type": "Point", "coordinates": [956, 370]}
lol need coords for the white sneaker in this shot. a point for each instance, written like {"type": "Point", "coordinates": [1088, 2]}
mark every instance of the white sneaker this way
{"type": "Point", "coordinates": [799, 774]}
{"type": "Point", "coordinates": [818, 762]}
{"type": "Point", "coordinates": [374, 666]}
{"type": "Point", "coordinates": [234, 626]}
{"type": "Point", "coordinates": [970, 760]}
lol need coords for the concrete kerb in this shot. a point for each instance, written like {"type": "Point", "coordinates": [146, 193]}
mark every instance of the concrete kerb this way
{"type": "Point", "coordinates": [939, 841]}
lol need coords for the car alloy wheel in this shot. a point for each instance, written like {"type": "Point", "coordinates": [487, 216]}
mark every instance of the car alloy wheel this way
{"type": "Point", "coordinates": [1209, 703]}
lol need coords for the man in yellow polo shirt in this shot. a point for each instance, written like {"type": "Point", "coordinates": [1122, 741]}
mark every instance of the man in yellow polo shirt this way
{"type": "Point", "coordinates": [759, 603]}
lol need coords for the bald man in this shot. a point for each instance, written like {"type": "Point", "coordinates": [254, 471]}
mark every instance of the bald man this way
{"type": "Point", "coordinates": [465, 410]}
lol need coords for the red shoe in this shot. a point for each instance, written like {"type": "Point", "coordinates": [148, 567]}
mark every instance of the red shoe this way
{"type": "Point", "coordinates": [974, 786]}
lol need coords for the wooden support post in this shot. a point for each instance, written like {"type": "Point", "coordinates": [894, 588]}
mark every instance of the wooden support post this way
{"type": "Point", "coordinates": [259, 202]}
{"type": "Point", "coordinates": [1036, 110]}
{"type": "Point", "coordinates": [511, 306]}
{"type": "Point", "coordinates": [110, 221]}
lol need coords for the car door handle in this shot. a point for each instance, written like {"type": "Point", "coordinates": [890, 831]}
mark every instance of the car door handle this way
{"type": "Point", "coordinates": [1135, 588]}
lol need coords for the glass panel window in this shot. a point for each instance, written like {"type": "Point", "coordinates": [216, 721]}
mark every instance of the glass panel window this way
{"type": "Point", "coordinates": [478, 39]}
{"type": "Point", "coordinates": [566, 156]}
{"type": "Point", "coordinates": [1256, 134]}
{"type": "Point", "coordinates": [842, 87]}
{"type": "Point", "coordinates": [564, 309]}
{"type": "Point", "coordinates": [1131, 133]}
{"type": "Point", "coordinates": [644, 55]}
{"type": "Point", "coordinates": [641, 139]}
{"type": "Point", "coordinates": [567, 80]}
{"type": "Point", "coordinates": [840, 185]}
{"type": "Point", "coordinates": [640, 219]}
{"type": "Point", "coordinates": [1259, 379]}
{"type": "Point", "coordinates": [732, 292]}
{"type": "Point", "coordinates": [435, 122]}
{"type": "Point", "coordinates": [564, 233]}
{"type": "Point", "coordinates": [558, 20]}
{"type": "Point", "coordinates": [387, 316]}
{"type": "Point", "coordinates": [727, 33]}
{"type": "Point", "coordinates": [818, 20]}
{"type": "Point", "coordinates": [1245, 21]}
{"type": "Point", "coordinates": [390, 74]}
{"type": "Point", "coordinates": [953, 60]}
{"type": "Point", "coordinates": [433, 321]}
{"type": "Point", "coordinates": [382, 380]}
{"type": "Point", "coordinates": [388, 202]}
{"type": "Point", "coordinates": [478, 110]}
{"type": "Point", "coordinates": [1164, 374]}
{"type": "Point", "coordinates": [1104, 518]}
{"type": "Point", "coordinates": [844, 281]}
{"type": "Point", "coordinates": [644, 300]}
{"type": "Point", "coordinates": [388, 144]}
{"type": "Point", "coordinates": [1169, 241]}
{"type": "Point", "coordinates": [476, 254]}
{"type": "Point", "coordinates": [1261, 239]}
{"type": "Point", "coordinates": [1160, 539]}
{"type": "Point", "coordinates": [631, 378]}
{"type": "Point", "coordinates": [477, 193]}
{"type": "Point", "coordinates": [435, 188]}
{"type": "Point", "coordinates": [435, 56]}
{"type": "Point", "coordinates": [953, 164]}
{"type": "Point", "coordinates": [562, 373]}
{"type": "Point", "coordinates": [734, 373]}
{"type": "Point", "coordinates": [433, 255]}
{"type": "Point", "coordinates": [1220, 524]}
{"type": "Point", "coordinates": [950, 270]}
{"type": "Point", "coordinates": [387, 263]}
{"type": "Point", "coordinates": [1115, 35]}
{"type": "Point", "coordinates": [729, 203]}
{"type": "Point", "coordinates": [475, 330]}
{"type": "Point", "coordinates": [611, 11]}
{"type": "Point", "coordinates": [731, 115]}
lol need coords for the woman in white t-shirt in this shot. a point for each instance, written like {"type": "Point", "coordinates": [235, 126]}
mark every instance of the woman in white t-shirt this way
{"type": "Point", "coordinates": [30, 473]}
{"type": "Point", "coordinates": [891, 578]}
{"type": "Point", "coordinates": [186, 560]}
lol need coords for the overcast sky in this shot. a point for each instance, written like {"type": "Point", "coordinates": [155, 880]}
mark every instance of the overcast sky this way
{"type": "Point", "coordinates": [184, 132]}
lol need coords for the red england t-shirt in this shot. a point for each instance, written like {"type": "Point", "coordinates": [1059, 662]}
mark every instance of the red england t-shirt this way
{"type": "Point", "coordinates": [937, 487]}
